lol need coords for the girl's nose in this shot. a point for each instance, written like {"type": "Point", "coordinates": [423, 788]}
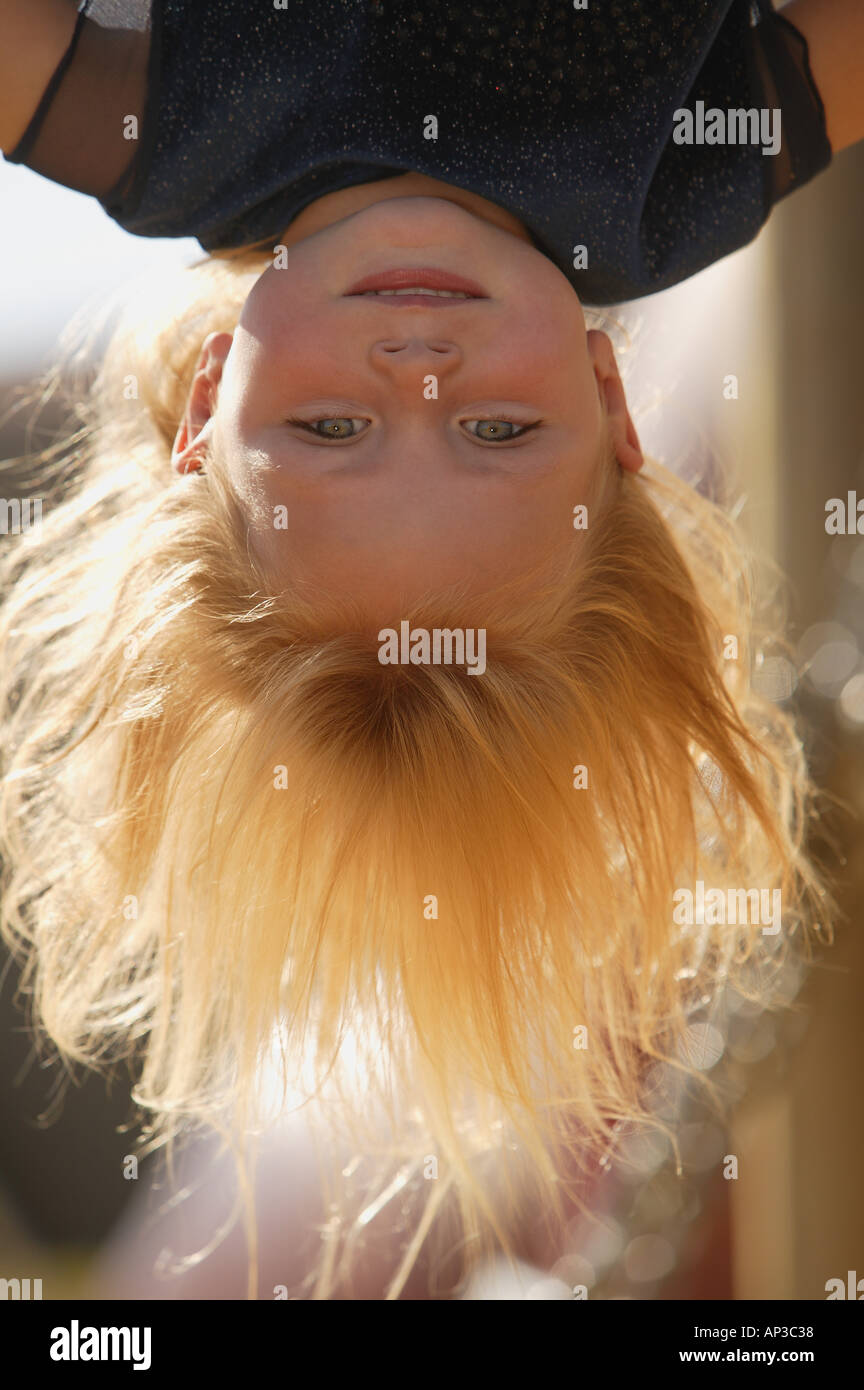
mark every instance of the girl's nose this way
{"type": "Point", "coordinates": [403, 354]}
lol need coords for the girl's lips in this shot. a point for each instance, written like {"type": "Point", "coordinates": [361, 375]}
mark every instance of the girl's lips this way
{"type": "Point", "coordinates": [422, 301]}
{"type": "Point", "coordinates": [424, 277]}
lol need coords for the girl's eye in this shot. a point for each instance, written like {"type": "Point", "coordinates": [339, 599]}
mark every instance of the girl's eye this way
{"type": "Point", "coordinates": [491, 431]}
{"type": "Point", "coordinates": [332, 427]}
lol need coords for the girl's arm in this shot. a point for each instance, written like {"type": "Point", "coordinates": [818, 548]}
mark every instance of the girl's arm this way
{"type": "Point", "coordinates": [834, 30]}
{"type": "Point", "coordinates": [87, 136]}
{"type": "Point", "coordinates": [34, 35]}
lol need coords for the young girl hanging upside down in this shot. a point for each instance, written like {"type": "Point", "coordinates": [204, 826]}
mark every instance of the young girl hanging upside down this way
{"type": "Point", "coordinates": [434, 903]}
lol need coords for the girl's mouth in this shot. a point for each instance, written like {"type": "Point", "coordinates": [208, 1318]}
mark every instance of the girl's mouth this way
{"type": "Point", "coordinates": [410, 282]}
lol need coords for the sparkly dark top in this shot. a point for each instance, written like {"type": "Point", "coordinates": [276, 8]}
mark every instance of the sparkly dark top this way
{"type": "Point", "coordinates": [563, 116]}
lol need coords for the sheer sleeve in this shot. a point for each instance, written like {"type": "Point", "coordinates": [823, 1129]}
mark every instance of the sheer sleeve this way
{"type": "Point", "coordinates": [781, 78]}
{"type": "Point", "coordinates": [90, 128]}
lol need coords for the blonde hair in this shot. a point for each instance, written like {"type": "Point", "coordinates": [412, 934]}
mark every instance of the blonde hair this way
{"type": "Point", "coordinates": [225, 824]}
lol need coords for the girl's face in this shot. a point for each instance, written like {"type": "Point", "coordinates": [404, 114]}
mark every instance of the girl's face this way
{"type": "Point", "coordinates": [380, 444]}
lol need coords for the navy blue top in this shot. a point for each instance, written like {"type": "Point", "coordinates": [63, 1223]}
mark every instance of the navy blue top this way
{"type": "Point", "coordinates": [248, 112]}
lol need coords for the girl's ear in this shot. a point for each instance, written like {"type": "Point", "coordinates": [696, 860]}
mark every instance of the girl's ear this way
{"type": "Point", "coordinates": [611, 391]}
{"type": "Point", "coordinates": [190, 441]}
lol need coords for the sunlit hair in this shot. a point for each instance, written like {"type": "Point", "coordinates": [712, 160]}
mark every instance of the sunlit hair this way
{"type": "Point", "coordinates": [230, 834]}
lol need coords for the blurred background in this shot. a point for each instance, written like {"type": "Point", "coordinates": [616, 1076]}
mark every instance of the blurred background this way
{"type": "Point", "coordinates": [783, 317]}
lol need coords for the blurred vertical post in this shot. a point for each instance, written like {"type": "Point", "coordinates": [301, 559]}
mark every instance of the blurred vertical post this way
{"type": "Point", "coordinates": [798, 1214]}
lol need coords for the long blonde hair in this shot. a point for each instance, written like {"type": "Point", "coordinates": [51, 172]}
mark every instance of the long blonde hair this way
{"type": "Point", "coordinates": [224, 822]}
